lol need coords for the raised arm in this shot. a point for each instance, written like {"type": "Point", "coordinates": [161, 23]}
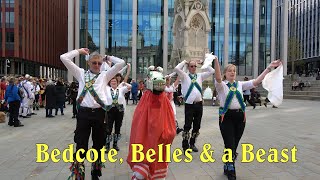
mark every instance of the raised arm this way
{"type": "Point", "coordinates": [123, 69]}
{"type": "Point", "coordinates": [66, 59]}
{"type": "Point", "coordinates": [217, 69]}
{"type": "Point", "coordinates": [259, 79]}
{"type": "Point", "coordinates": [176, 83]}
{"type": "Point", "coordinates": [105, 66]}
{"type": "Point", "coordinates": [118, 64]}
{"type": "Point", "coordinates": [128, 74]}
{"type": "Point", "coordinates": [128, 86]}
{"type": "Point", "coordinates": [178, 69]}
{"type": "Point", "coordinates": [209, 72]}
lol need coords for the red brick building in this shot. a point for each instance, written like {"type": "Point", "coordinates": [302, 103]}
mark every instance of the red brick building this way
{"type": "Point", "coordinates": [33, 34]}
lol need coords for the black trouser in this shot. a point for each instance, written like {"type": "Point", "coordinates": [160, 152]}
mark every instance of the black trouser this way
{"type": "Point", "coordinates": [74, 106]}
{"type": "Point", "coordinates": [114, 117]}
{"type": "Point", "coordinates": [48, 112]}
{"type": "Point", "coordinates": [59, 105]}
{"type": "Point", "coordinates": [232, 128]}
{"type": "Point", "coordinates": [193, 115]}
{"type": "Point", "coordinates": [88, 119]}
{"type": "Point", "coordinates": [36, 102]}
{"type": "Point", "coordinates": [14, 112]}
{"type": "Point", "coordinates": [247, 98]}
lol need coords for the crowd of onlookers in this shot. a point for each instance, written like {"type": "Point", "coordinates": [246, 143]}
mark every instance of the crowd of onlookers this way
{"type": "Point", "coordinates": [300, 85]}
{"type": "Point", "coordinates": [31, 93]}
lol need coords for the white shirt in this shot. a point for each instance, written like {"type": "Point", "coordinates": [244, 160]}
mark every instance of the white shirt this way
{"type": "Point", "coordinates": [223, 91]}
{"type": "Point", "coordinates": [195, 95]}
{"type": "Point", "coordinates": [27, 89]}
{"type": "Point", "coordinates": [171, 89]}
{"type": "Point", "coordinates": [121, 98]}
{"type": "Point", "coordinates": [100, 83]}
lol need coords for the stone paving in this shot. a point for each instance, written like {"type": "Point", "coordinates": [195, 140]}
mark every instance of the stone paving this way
{"type": "Point", "coordinates": [294, 123]}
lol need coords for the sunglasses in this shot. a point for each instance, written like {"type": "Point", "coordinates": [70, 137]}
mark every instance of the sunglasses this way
{"type": "Point", "coordinates": [95, 63]}
{"type": "Point", "coordinates": [193, 66]}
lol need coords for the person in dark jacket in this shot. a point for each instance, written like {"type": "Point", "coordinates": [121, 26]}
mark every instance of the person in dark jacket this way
{"type": "Point", "coordinates": [50, 94]}
{"type": "Point", "coordinates": [73, 96]}
{"type": "Point", "coordinates": [12, 97]}
{"type": "Point", "coordinates": [134, 91]}
{"type": "Point", "coordinates": [60, 96]}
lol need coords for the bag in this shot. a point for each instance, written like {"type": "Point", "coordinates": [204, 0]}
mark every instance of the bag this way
{"type": "Point", "coordinates": [21, 92]}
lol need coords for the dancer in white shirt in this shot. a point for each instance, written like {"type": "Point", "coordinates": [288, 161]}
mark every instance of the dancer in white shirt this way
{"type": "Point", "coordinates": [232, 117]}
{"type": "Point", "coordinates": [91, 107]}
{"type": "Point", "coordinates": [191, 84]}
{"type": "Point", "coordinates": [170, 89]}
{"type": "Point", "coordinates": [116, 103]}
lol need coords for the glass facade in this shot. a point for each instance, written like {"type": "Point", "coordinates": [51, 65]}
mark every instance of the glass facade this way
{"type": "Point", "coordinates": [264, 35]}
{"type": "Point", "coordinates": [150, 33]}
{"type": "Point", "coordinates": [150, 22]}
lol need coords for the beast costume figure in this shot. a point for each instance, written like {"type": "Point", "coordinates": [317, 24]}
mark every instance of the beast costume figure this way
{"type": "Point", "coordinates": [153, 124]}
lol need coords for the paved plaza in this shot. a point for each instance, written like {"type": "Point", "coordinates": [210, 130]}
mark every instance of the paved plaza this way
{"type": "Point", "coordinates": [294, 123]}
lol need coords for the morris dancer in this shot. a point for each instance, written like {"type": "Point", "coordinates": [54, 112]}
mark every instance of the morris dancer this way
{"type": "Point", "coordinates": [28, 96]}
{"type": "Point", "coordinates": [192, 91]}
{"type": "Point", "coordinates": [170, 89]}
{"type": "Point", "coordinates": [91, 109]}
{"type": "Point", "coordinates": [232, 119]}
{"type": "Point", "coordinates": [152, 125]}
{"type": "Point", "coordinates": [115, 110]}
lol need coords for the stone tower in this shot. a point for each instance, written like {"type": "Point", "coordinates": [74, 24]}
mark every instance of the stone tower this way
{"type": "Point", "coordinates": [191, 27]}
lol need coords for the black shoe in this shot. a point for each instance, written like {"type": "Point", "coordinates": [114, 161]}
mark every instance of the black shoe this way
{"type": "Point", "coordinates": [33, 114]}
{"type": "Point", "coordinates": [50, 116]}
{"type": "Point", "coordinates": [29, 114]}
{"type": "Point", "coordinates": [26, 116]}
{"type": "Point", "coordinates": [194, 148]}
{"type": "Point", "coordinates": [37, 109]}
{"type": "Point", "coordinates": [265, 104]}
{"type": "Point", "coordinates": [179, 130]}
{"type": "Point", "coordinates": [62, 114]}
{"type": "Point", "coordinates": [254, 107]}
{"type": "Point", "coordinates": [20, 116]}
{"type": "Point", "coordinates": [230, 171]}
{"type": "Point", "coordinates": [274, 107]}
{"type": "Point", "coordinates": [74, 116]}
{"type": "Point", "coordinates": [10, 123]}
{"type": "Point", "coordinates": [115, 146]}
{"type": "Point", "coordinates": [18, 125]}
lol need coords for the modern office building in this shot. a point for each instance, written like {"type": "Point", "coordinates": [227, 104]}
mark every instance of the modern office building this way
{"type": "Point", "coordinates": [143, 32]}
{"type": "Point", "coordinates": [33, 34]}
{"type": "Point", "coordinates": [303, 35]}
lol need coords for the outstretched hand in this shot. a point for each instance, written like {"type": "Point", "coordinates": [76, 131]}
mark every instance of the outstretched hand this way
{"type": "Point", "coordinates": [275, 63]}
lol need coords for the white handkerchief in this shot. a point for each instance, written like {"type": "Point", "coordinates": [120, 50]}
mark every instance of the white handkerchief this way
{"type": "Point", "coordinates": [273, 83]}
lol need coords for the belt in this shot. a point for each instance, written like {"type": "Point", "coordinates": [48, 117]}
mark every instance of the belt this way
{"type": "Point", "coordinates": [87, 109]}
{"type": "Point", "coordinates": [197, 102]}
{"type": "Point", "coordinates": [232, 110]}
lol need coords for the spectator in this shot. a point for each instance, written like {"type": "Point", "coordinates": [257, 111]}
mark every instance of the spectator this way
{"type": "Point", "coordinates": [308, 84]}
{"type": "Point", "coordinates": [73, 97]}
{"type": "Point", "coordinates": [60, 96]}
{"type": "Point", "coordinates": [301, 85]}
{"type": "Point", "coordinates": [12, 97]}
{"type": "Point", "coordinates": [3, 87]}
{"type": "Point", "coordinates": [50, 96]}
{"type": "Point", "coordinates": [134, 91]}
{"type": "Point", "coordinates": [294, 86]}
